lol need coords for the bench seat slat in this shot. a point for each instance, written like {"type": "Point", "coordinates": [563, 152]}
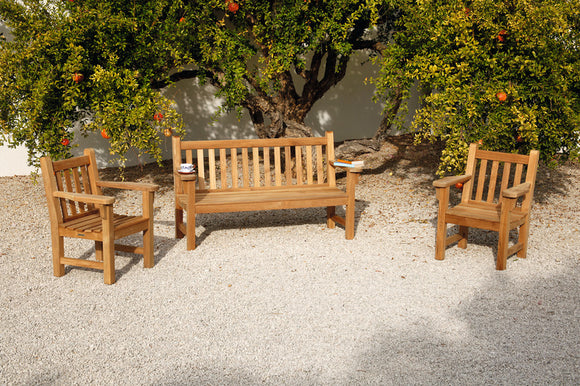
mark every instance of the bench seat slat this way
{"type": "Point", "coordinates": [241, 201]}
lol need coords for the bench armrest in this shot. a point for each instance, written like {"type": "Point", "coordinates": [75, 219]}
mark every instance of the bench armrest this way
{"type": "Point", "coordinates": [446, 182]}
{"type": "Point", "coordinates": [517, 191]}
{"type": "Point", "coordinates": [186, 177]}
{"type": "Point", "coordinates": [141, 186]}
{"type": "Point", "coordinates": [86, 198]}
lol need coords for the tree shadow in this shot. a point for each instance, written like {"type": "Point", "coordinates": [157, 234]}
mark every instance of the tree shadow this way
{"type": "Point", "coordinates": [507, 333]}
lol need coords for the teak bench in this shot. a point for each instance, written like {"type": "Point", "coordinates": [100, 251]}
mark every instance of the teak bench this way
{"type": "Point", "coordinates": [260, 174]}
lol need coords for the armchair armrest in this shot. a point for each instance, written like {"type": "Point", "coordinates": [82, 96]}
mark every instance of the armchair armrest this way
{"type": "Point", "coordinates": [142, 186]}
{"type": "Point", "coordinates": [446, 182]}
{"type": "Point", "coordinates": [517, 191]}
{"type": "Point", "coordinates": [86, 198]}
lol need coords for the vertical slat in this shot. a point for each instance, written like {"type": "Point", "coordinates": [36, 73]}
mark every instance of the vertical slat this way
{"type": "Point", "coordinates": [234, 157]}
{"type": "Point", "coordinates": [330, 171]}
{"type": "Point", "coordinates": [200, 169]}
{"type": "Point", "coordinates": [211, 166]}
{"type": "Point", "coordinates": [277, 167]}
{"type": "Point", "coordinates": [256, 162]}
{"type": "Point", "coordinates": [69, 188]}
{"type": "Point", "coordinates": [505, 179]}
{"type": "Point", "coordinates": [267, 175]}
{"type": "Point", "coordinates": [189, 156]}
{"type": "Point", "coordinates": [245, 168]}
{"type": "Point", "coordinates": [288, 165]}
{"type": "Point", "coordinates": [481, 180]}
{"type": "Point", "coordinates": [58, 176]}
{"type": "Point", "coordinates": [224, 168]}
{"type": "Point", "coordinates": [309, 166]}
{"type": "Point", "coordinates": [298, 165]}
{"type": "Point", "coordinates": [86, 184]}
{"type": "Point", "coordinates": [492, 181]}
{"type": "Point", "coordinates": [469, 169]}
{"type": "Point", "coordinates": [319, 166]}
{"type": "Point", "coordinates": [518, 175]}
{"type": "Point", "coordinates": [78, 188]}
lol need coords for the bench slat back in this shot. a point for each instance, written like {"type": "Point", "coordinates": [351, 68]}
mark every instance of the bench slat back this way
{"type": "Point", "coordinates": [258, 163]}
{"type": "Point", "coordinates": [74, 175]}
{"type": "Point", "coordinates": [494, 172]}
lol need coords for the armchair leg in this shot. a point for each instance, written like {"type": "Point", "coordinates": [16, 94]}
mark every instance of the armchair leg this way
{"type": "Point", "coordinates": [99, 250]}
{"type": "Point", "coordinates": [108, 244]}
{"type": "Point", "coordinates": [349, 220]}
{"type": "Point", "coordinates": [148, 247]}
{"type": "Point", "coordinates": [463, 232]}
{"type": "Point", "coordinates": [57, 254]}
{"type": "Point", "coordinates": [440, 239]}
{"type": "Point", "coordinates": [330, 211]}
{"type": "Point", "coordinates": [523, 234]}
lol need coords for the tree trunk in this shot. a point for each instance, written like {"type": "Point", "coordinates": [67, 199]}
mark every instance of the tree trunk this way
{"type": "Point", "coordinates": [389, 116]}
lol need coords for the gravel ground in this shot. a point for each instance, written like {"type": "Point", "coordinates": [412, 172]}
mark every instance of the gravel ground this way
{"type": "Point", "coordinates": [277, 298]}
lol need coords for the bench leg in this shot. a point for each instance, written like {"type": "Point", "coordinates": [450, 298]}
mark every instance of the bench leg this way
{"type": "Point", "coordinates": [190, 230]}
{"type": "Point", "coordinates": [178, 222]}
{"type": "Point", "coordinates": [330, 211]}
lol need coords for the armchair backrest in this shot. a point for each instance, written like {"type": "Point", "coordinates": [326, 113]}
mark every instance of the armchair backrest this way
{"type": "Point", "coordinates": [492, 172]}
{"type": "Point", "coordinates": [74, 175]}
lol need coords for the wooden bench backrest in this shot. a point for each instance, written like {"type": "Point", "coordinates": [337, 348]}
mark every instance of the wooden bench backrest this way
{"type": "Point", "coordinates": [492, 172]}
{"type": "Point", "coordinates": [251, 164]}
{"type": "Point", "coordinates": [75, 175]}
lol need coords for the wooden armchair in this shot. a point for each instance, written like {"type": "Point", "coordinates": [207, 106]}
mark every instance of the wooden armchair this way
{"type": "Point", "coordinates": [77, 208]}
{"type": "Point", "coordinates": [503, 207]}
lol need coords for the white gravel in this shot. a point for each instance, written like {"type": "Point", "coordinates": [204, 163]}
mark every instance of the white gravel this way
{"type": "Point", "coordinates": [277, 298]}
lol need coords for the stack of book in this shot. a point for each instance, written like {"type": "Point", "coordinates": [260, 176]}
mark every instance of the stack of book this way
{"type": "Point", "coordinates": [349, 164]}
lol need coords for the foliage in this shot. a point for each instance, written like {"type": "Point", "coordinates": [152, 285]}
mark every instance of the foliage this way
{"type": "Point", "coordinates": [257, 53]}
{"type": "Point", "coordinates": [469, 55]}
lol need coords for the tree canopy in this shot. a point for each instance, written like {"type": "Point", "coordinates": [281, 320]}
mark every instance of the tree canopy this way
{"type": "Point", "coordinates": [502, 73]}
{"type": "Point", "coordinates": [81, 66]}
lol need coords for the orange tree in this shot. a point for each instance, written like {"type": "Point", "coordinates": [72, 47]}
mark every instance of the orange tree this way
{"type": "Point", "coordinates": [82, 66]}
{"type": "Point", "coordinates": [502, 73]}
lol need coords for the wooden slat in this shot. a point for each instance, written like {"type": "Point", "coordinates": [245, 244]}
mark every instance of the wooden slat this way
{"type": "Point", "coordinates": [299, 165]}
{"type": "Point", "coordinates": [518, 175]}
{"type": "Point", "coordinates": [87, 185]}
{"type": "Point", "coordinates": [256, 163]}
{"type": "Point", "coordinates": [189, 157]}
{"type": "Point", "coordinates": [211, 166]}
{"type": "Point", "coordinates": [481, 180]}
{"type": "Point", "coordinates": [79, 189]}
{"type": "Point", "coordinates": [319, 166]}
{"type": "Point", "coordinates": [492, 181]}
{"type": "Point", "coordinates": [502, 157]}
{"type": "Point", "coordinates": [505, 179]}
{"type": "Point", "coordinates": [240, 143]}
{"type": "Point", "coordinates": [277, 167]}
{"type": "Point", "coordinates": [223, 168]}
{"type": "Point", "coordinates": [267, 175]}
{"type": "Point", "coordinates": [245, 168]}
{"type": "Point", "coordinates": [234, 159]}
{"type": "Point", "coordinates": [309, 166]}
{"type": "Point", "coordinates": [70, 163]}
{"type": "Point", "coordinates": [200, 169]}
{"type": "Point", "coordinates": [288, 165]}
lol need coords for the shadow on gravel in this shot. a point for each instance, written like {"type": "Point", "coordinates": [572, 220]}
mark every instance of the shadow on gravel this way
{"type": "Point", "coordinates": [122, 265]}
{"type": "Point", "coordinates": [210, 222]}
{"type": "Point", "coordinates": [506, 334]}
